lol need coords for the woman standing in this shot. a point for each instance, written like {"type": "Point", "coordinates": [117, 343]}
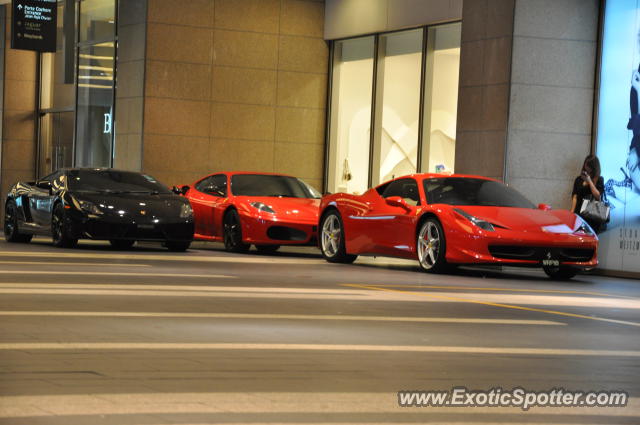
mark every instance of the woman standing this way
{"type": "Point", "coordinates": [588, 185]}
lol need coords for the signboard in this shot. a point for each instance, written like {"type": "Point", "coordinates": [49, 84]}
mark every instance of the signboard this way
{"type": "Point", "coordinates": [618, 135]}
{"type": "Point", "coordinates": [34, 25]}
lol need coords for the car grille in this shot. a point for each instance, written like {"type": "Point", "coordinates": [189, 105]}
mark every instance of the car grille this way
{"type": "Point", "coordinates": [171, 231]}
{"type": "Point", "coordinates": [537, 253]}
{"type": "Point", "coordinates": [283, 233]}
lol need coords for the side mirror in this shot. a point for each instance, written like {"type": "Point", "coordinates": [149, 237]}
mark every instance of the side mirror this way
{"type": "Point", "coordinates": [181, 190]}
{"type": "Point", "coordinates": [396, 201]}
{"type": "Point", "coordinates": [544, 207]}
{"type": "Point", "coordinates": [44, 185]}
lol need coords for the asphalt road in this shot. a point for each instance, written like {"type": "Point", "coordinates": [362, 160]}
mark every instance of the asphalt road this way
{"type": "Point", "coordinates": [97, 336]}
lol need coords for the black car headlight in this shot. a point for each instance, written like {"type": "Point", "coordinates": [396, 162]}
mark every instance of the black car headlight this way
{"type": "Point", "coordinates": [88, 207]}
{"type": "Point", "coordinates": [186, 211]}
{"type": "Point", "coordinates": [262, 207]}
{"type": "Point", "coordinates": [483, 224]}
{"type": "Point", "coordinates": [583, 228]}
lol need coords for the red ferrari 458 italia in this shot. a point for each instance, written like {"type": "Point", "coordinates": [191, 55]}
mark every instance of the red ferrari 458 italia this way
{"type": "Point", "coordinates": [443, 220]}
{"type": "Point", "coordinates": [240, 209]}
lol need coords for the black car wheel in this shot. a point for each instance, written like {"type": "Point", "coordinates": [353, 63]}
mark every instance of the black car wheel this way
{"type": "Point", "coordinates": [232, 233]}
{"type": "Point", "coordinates": [332, 239]}
{"type": "Point", "coordinates": [431, 246]}
{"type": "Point", "coordinates": [11, 232]}
{"type": "Point", "coordinates": [560, 272]}
{"type": "Point", "coordinates": [177, 246]}
{"type": "Point", "coordinates": [121, 243]}
{"type": "Point", "coordinates": [59, 232]}
{"type": "Point", "coordinates": [267, 249]}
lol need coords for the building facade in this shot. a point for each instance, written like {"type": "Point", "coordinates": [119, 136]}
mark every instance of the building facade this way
{"type": "Point", "coordinates": [342, 93]}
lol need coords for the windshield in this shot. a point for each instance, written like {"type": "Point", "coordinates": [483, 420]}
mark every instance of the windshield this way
{"type": "Point", "coordinates": [469, 191]}
{"type": "Point", "coordinates": [270, 185]}
{"type": "Point", "coordinates": [113, 181]}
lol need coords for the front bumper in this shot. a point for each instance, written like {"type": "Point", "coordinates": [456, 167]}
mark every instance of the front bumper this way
{"type": "Point", "coordinates": [265, 231]}
{"type": "Point", "coordinates": [522, 249]}
{"type": "Point", "coordinates": [112, 229]}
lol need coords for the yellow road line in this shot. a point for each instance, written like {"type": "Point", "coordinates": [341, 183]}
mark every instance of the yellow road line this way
{"type": "Point", "coordinates": [313, 347]}
{"type": "Point", "coordinates": [509, 306]}
{"type": "Point", "coordinates": [335, 317]}
{"type": "Point", "coordinates": [543, 291]}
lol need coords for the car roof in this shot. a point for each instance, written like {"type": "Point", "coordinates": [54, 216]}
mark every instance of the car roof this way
{"type": "Point", "coordinates": [422, 176]}
{"type": "Point", "coordinates": [258, 173]}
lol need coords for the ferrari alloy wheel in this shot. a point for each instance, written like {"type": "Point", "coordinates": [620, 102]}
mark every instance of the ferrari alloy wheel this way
{"type": "Point", "coordinates": [560, 272]}
{"type": "Point", "coordinates": [431, 246]}
{"type": "Point", "coordinates": [121, 243]}
{"type": "Point", "coordinates": [11, 233]}
{"type": "Point", "coordinates": [232, 233]}
{"type": "Point", "coordinates": [332, 239]}
{"type": "Point", "coordinates": [267, 249]}
{"type": "Point", "coordinates": [59, 229]}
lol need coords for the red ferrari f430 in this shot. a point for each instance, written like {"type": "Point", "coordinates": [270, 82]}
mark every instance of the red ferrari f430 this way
{"type": "Point", "coordinates": [443, 220]}
{"type": "Point", "coordinates": [241, 209]}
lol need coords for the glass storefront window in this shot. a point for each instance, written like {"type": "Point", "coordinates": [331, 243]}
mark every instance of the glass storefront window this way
{"type": "Point", "coordinates": [77, 92]}
{"type": "Point", "coordinates": [97, 20]}
{"type": "Point", "coordinates": [350, 126]}
{"type": "Point", "coordinates": [441, 99]}
{"type": "Point", "coordinates": [94, 130]}
{"type": "Point", "coordinates": [393, 110]}
{"type": "Point", "coordinates": [399, 77]}
{"type": "Point", "coordinates": [57, 102]}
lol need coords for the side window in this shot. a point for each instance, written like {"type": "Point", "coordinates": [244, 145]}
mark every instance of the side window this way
{"type": "Point", "coordinates": [407, 189]}
{"type": "Point", "coordinates": [214, 185]}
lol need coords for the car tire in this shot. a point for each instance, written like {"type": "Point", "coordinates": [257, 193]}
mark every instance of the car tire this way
{"type": "Point", "coordinates": [267, 249]}
{"type": "Point", "coordinates": [11, 232]}
{"type": "Point", "coordinates": [59, 230]}
{"type": "Point", "coordinates": [177, 246]}
{"type": "Point", "coordinates": [561, 273]}
{"type": "Point", "coordinates": [122, 244]}
{"type": "Point", "coordinates": [232, 233]}
{"type": "Point", "coordinates": [332, 243]}
{"type": "Point", "coordinates": [431, 246]}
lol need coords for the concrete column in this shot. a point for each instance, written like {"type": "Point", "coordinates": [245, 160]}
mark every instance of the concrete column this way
{"type": "Point", "coordinates": [18, 113]}
{"type": "Point", "coordinates": [552, 96]}
{"type": "Point", "coordinates": [483, 99]}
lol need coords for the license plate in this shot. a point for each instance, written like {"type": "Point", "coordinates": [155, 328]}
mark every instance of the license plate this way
{"type": "Point", "coordinates": [549, 261]}
{"type": "Point", "coordinates": [146, 226]}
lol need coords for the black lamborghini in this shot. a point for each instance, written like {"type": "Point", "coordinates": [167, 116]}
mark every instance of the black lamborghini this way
{"type": "Point", "coordinates": [104, 204]}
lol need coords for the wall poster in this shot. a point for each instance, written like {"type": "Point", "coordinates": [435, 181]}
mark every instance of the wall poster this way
{"type": "Point", "coordinates": [618, 134]}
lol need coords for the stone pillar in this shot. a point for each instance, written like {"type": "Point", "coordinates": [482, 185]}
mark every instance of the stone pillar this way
{"type": "Point", "coordinates": [132, 32]}
{"type": "Point", "coordinates": [18, 113]}
{"type": "Point", "coordinates": [483, 99]}
{"type": "Point", "coordinates": [552, 96]}
{"type": "Point", "coordinates": [235, 85]}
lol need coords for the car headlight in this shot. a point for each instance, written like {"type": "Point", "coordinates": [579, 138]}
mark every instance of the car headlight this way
{"type": "Point", "coordinates": [583, 229]}
{"type": "Point", "coordinates": [262, 207]}
{"type": "Point", "coordinates": [484, 225]}
{"type": "Point", "coordinates": [89, 207]}
{"type": "Point", "coordinates": [186, 211]}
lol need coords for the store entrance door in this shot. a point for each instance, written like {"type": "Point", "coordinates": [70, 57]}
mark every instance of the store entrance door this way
{"type": "Point", "coordinates": [56, 141]}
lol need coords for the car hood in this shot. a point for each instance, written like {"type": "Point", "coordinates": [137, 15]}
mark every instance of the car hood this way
{"type": "Point", "coordinates": [134, 204]}
{"type": "Point", "coordinates": [300, 207]}
{"type": "Point", "coordinates": [526, 219]}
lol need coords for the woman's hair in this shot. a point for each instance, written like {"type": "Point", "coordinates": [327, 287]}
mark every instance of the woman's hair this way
{"type": "Point", "coordinates": [593, 163]}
